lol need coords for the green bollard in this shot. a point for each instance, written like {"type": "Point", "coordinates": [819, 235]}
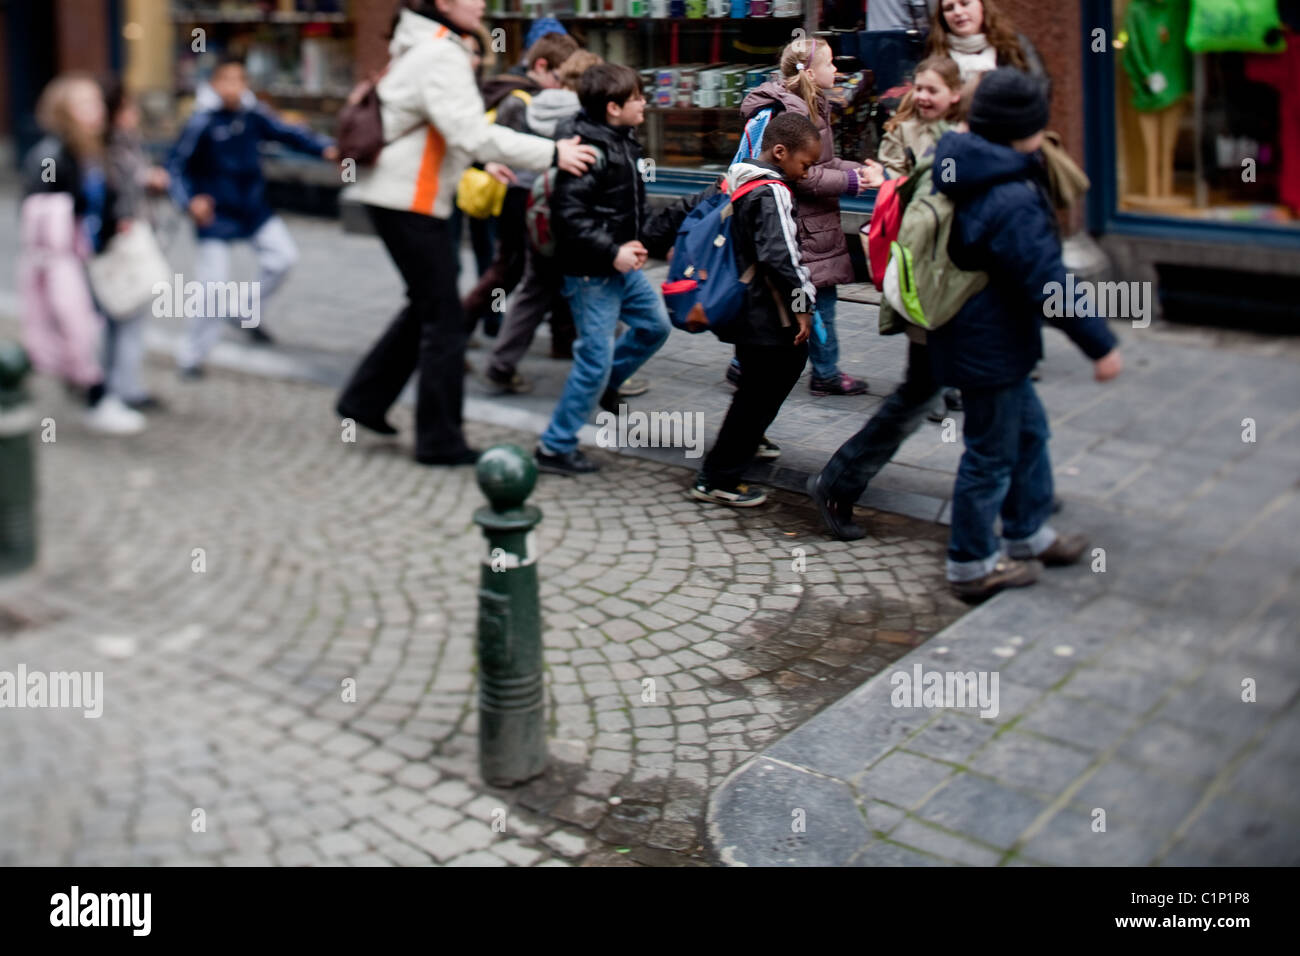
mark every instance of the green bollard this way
{"type": "Point", "coordinates": [512, 702]}
{"type": "Point", "coordinates": [17, 468]}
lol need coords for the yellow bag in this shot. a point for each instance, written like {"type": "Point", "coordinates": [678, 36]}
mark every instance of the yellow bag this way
{"type": "Point", "coordinates": [479, 195]}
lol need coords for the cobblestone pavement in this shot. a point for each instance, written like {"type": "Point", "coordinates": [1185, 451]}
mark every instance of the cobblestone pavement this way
{"type": "Point", "coordinates": [324, 561]}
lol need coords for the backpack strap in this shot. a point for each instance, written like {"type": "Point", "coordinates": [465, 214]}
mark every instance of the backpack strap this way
{"type": "Point", "coordinates": [754, 184]}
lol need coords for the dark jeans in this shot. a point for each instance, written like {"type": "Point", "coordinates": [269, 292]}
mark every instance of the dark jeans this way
{"type": "Point", "coordinates": [508, 266]}
{"type": "Point", "coordinates": [860, 458]}
{"type": "Point", "coordinates": [1005, 470]}
{"type": "Point", "coordinates": [771, 371]}
{"type": "Point", "coordinates": [428, 334]}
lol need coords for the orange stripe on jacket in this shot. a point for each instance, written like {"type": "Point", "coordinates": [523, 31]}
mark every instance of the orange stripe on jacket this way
{"type": "Point", "coordinates": [435, 148]}
{"type": "Point", "coordinates": [426, 185]}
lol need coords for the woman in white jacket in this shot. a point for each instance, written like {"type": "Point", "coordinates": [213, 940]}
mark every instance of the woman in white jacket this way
{"type": "Point", "coordinates": [434, 127]}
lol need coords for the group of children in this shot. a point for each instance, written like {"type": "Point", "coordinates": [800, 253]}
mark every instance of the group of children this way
{"type": "Point", "coordinates": [1005, 226]}
{"type": "Point", "coordinates": [89, 180]}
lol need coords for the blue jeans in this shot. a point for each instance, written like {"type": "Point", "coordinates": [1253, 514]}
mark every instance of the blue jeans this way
{"type": "Point", "coordinates": [1005, 470]}
{"type": "Point", "coordinates": [598, 303]}
{"type": "Point", "coordinates": [825, 356]}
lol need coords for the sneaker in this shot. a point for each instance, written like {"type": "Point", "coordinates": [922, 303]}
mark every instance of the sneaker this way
{"type": "Point", "coordinates": [837, 517]}
{"type": "Point", "coordinates": [1007, 573]}
{"type": "Point", "coordinates": [377, 424]}
{"type": "Point", "coordinates": [633, 387]}
{"type": "Point", "coordinates": [259, 335]}
{"type": "Point", "coordinates": [767, 449]}
{"type": "Point", "coordinates": [1067, 549]}
{"type": "Point", "coordinates": [733, 372]}
{"type": "Point", "coordinates": [842, 384]}
{"type": "Point", "coordinates": [742, 496]}
{"type": "Point", "coordinates": [952, 399]}
{"type": "Point", "coordinates": [110, 416]}
{"type": "Point", "coordinates": [515, 384]}
{"type": "Point", "coordinates": [570, 464]}
{"type": "Point", "coordinates": [467, 457]}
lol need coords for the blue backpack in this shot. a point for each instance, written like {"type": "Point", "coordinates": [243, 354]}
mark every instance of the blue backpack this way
{"type": "Point", "coordinates": [705, 289]}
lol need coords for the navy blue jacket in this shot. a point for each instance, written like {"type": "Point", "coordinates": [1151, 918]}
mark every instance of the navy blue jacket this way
{"type": "Point", "coordinates": [1005, 226]}
{"type": "Point", "coordinates": [218, 154]}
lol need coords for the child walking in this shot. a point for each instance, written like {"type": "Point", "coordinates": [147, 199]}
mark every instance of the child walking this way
{"type": "Point", "coordinates": [216, 174]}
{"type": "Point", "coordinates": [807, 70]}
{"type": "Point", "coordinates": [69, 212]}
{"type": "Point", "coordinates": [600, 223]}
{"type": "Point", "coordinates": [1005, 225]}
{"type": "Point", "coordinates": [771, 336]}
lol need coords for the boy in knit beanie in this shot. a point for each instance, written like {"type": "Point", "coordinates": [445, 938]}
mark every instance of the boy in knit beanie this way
{"type": "Point", "coordinates": [1004, 225]}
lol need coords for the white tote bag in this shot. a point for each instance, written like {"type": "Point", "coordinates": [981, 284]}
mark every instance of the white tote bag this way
{"type": "Point", "coordinates": [123, 276]}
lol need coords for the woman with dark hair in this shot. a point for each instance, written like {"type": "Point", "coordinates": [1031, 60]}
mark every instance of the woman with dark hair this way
{"type": "Point", "coordinates": [979, 38]}
{"type": "Point", "coordinates": [434, 126]}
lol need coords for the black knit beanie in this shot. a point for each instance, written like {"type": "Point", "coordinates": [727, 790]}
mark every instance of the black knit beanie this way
{"type": "Point", "coordinates": [1008, 105]}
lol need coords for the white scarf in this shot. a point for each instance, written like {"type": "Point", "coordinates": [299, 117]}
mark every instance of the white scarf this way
{"type": "Point", "coordinates": [973, 54]}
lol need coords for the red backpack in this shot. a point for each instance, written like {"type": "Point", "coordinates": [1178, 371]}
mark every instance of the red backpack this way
{"type": "Point", "coordinates": [883, 228]}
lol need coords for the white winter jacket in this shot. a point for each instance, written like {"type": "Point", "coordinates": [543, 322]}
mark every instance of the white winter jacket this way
{"type": "Point", "coordinates": [434, 125]}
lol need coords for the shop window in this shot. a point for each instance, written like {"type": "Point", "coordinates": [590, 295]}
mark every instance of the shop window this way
{"type": "Point", "coordinates": [1208, 112]}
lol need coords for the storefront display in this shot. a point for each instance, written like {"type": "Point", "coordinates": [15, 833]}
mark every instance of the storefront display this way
{"type": "Point", "coordinates": [697, 60]}
{"type": "Point", "coordinates": [1208, 127]}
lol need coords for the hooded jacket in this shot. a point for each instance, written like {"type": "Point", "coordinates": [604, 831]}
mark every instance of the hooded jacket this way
{"type": "Point", "coordinates": [435, 124]}
{"type": "Point", "coordinates": [821, 233]}
{"type": "Point", "coordinates": [1004, 225]}
{"type": "Point", "coordinates": [765, 237]}
{"type": "Point", "coordinates": [595, 213]}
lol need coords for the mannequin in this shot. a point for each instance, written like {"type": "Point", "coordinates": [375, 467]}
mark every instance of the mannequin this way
{"type": "Point", "coordinates": [1159, 66]}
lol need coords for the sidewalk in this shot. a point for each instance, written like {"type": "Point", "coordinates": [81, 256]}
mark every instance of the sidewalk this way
{"type": "Point", "coordinates": [1120, 691]}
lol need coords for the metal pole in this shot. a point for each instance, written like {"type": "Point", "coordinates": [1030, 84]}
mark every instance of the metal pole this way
{"type": "Point", "coordinates": [512, 703]}
{"type": "Point", "coordinates": [17, 467]}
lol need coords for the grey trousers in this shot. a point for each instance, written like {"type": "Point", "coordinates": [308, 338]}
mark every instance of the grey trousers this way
{"type": "Point", "coordinates": [538, 291]}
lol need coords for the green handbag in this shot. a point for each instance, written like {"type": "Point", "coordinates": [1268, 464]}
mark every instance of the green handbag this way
{"type": "Point", "coordinates": [1239, 26]}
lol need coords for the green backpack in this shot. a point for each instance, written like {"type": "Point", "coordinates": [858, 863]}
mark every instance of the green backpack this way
{"type": "Point", "coordinates": [921, 284]}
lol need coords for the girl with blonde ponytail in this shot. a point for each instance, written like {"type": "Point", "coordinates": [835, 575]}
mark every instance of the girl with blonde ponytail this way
{"type": "Point", "coordinates": [806, 70]}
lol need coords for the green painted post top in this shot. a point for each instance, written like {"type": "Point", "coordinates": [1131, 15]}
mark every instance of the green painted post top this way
{"type": "Point", "coordinates": [506, 475]}
{"type": "Point", "coordinates": [14, 366]}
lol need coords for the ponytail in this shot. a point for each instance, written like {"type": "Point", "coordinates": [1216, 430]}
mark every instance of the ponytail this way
{"type": "Point", "coordinates": [796, 73]}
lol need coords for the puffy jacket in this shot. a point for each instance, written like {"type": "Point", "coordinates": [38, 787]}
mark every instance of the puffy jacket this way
{"type": "Point", "coordinates": [821, 233]}
{"type": "Point", "coordinates": [1004, 224]}
{"type": "Point", "coordinates": [218, 154]}
{"type": "Point", "coordinates": [597, 212]}
{"type": "Point", "coordinates": [435, 124]}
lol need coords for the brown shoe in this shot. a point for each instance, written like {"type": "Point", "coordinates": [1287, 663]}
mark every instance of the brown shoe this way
{"type": "Point", "coordinates": [1008, 573]}
{"type": "Point", "coordinates": [1066, 549]}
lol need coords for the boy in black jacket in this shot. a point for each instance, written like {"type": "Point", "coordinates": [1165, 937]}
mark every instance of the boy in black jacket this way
{"type": "Point", "coordinates": [600, 221]}
{"type": "Point", "coordinates": [771, 336]}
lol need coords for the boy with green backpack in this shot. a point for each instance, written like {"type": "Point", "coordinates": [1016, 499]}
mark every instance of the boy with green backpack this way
{"type": "Point", "coordinates": [1003, 224]}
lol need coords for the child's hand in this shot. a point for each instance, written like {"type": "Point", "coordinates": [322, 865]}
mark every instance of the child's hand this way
{"type": "Point", "coordinates": [573, 158]}
{"type": "Point", "coordinates": [871, 177]}
{"type": "Point", "coordinates": [1108, 366]}
{"type": "Point", "coordinates": [330, 153]}
{"type": "Point", "coordinates": [805, 327]}
{"type": "Point", "coordinates": [631, 256]}
{"type": "Point", "coordinates": [203, 209]}
{"type": "Point", "coordinates": [157, 179]}
{"type": "Point", "coordinates": [501, 173]}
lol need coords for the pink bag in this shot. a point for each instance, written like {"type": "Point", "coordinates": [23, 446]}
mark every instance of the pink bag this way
{"type": "Point", "coordinates": [61, 329]}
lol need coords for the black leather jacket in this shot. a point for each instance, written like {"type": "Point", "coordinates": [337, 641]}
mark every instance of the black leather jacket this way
{"type": "Point", "coordinates": [597, 212]}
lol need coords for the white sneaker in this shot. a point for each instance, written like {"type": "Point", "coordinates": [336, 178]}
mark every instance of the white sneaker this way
{"type": "Point", "coordinates": [112, 417]}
